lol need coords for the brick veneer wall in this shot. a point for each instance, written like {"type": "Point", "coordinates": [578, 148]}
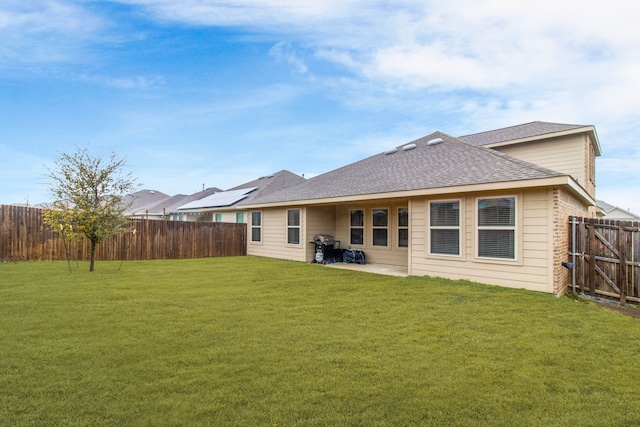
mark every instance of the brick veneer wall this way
{"type": "Point", "coordinates": [589, 166]}
{"type": "Point", "coordinates": [564, 206]}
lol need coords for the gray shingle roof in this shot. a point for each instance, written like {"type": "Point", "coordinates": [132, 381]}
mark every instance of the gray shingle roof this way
{"type": "Point", "coordinates": [218, 200]}
{"type": "Point", "coordinates": [171, 204]}
{"type": "Point", "coordinates": [512, 133]}
{"type": "Point", "coordinates": [450, 163]}
{"type": "Point", "coordinates": [270, 184]}
{"type": "Point", "coordinates": [604, 205]}
{"type": "Point", "coordinates": [141, 200]}
{"type": "Point", "coordinates": [157, 203]}
{"type": "Point", "coordinates": [608, 209]}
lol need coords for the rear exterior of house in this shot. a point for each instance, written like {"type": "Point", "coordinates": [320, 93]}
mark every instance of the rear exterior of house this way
{"type": "Point", "coordinates": [454, 209]}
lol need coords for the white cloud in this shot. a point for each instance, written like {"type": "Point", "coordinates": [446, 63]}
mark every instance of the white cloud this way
{"type": "Point", "coordinates": [484, 63]}
{"type": "Point", "coordinates": [130, 82]}
{"type": "Point", "coordinates": [256, 13]}
{"type": "Point", "coordinates": [46, 31]}
{"type": "Point", "coordinates": [554, 55]}
{"type": "Point", "coordinates": [285, 52]}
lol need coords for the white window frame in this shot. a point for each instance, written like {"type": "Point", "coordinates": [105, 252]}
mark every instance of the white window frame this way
{"type": "Point", "coordinates": [458, 228]}
{"type": "Point", "coordinates": [292, 227]}
{"type": "Point", "coordinates": [402, 227]}
{"type": "Point", "coordinates": [258, 227]}
{"type": "Point", "coordinates": [359, 227]}
{"type": "Point", "coordinates": [380, 227]}
{"type": "Point", "coordinates": [513, 228]}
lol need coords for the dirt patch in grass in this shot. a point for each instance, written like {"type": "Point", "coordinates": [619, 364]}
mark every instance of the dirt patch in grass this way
{"type": "Point", "coordinates": [631, 311]}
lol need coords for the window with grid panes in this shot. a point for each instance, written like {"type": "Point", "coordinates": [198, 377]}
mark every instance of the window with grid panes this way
{"type": "Point", "coordinates": [293, 226]}
{"type": "Point", "coordinates": [256, 226]}
{"type": "Point", "coordinates": [357, 227]}
{"type": "Point", "coordinates": [403, 227]}
{"type": "Point", "coordinates": [380, 222]}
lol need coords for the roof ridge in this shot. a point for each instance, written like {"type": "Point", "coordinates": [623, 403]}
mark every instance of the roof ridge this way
{"type": "Point", "coordinates": [502, 128]}
{"type": "Point", "coordinates": [573, 126]}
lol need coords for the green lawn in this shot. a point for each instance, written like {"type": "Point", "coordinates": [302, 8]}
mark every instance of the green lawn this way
{"type": "Point", "coordinates": [248, 341]}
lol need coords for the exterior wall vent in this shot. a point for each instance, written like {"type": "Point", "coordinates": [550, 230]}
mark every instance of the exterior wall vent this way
{"type": "Point", "coordinates": [434, 141]}
{"type": "Point", "coordinates": [393, 150]}
{"type": "Point", "coordinates": [408, 147]}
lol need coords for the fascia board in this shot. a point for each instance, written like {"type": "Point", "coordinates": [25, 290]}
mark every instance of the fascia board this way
{"type": "Point", "coordinates": [496, 186]}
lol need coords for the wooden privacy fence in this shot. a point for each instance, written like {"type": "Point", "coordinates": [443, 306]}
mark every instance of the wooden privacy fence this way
{"type": "Point", "coordinates": [24, 236]}
{"type": "Point", "coordinates": [607, 257]}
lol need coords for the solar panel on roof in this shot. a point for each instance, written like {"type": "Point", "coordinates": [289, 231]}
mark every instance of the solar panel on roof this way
{"type": "Point", "coordinates": [218, 200]}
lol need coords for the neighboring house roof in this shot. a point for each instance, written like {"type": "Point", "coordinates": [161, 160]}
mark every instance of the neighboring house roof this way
{"type": "Point", "coordinates": [416, 165]}
{"type": "Point", "coordinates": [143, 198]}
{"type": "Point", "coordinates": [616, 212]}
{"type": "Point", "coordinates": [270, 184]}
{"type": "Point", "coordinates": [527, 131]}
{"type": "Point", "coordinates": [218, 200]}
{"type": "Point", "coordinates": [158, 203]}
{"type": "Point", "coordinates": [244, 193]}
{"type": "Point", "coordinates": [171, 204]}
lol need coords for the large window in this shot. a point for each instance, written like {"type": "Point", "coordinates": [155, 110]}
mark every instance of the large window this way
{"type": "Point", "coordinates": [444, 228]}
{"type": "Point", "coordinates": [293, 226]}
{"type": "Point", "coordinates": [380, 227]}
{"type": "Point", "coordinates": [256, 226]}
{"type": "Point", "coordinates": [403, 227]}
{"type": "Point", "coordinates": [357, 227]}
{"type": "Point", "coordinates": [497, 228]}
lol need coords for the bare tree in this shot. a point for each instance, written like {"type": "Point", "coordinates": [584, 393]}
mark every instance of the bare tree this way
{"type": "Point", "coordinates": [88, 192]}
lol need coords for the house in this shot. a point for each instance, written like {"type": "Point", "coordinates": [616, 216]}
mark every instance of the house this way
{"type": "Point", "coordinates": [139, 201]}
{"type": "Point", "coordinates": [615, 212]}
{"type": "Point", "coordinates": [224, 206]}
{"type": "Point", "coordinates": [152, 204]}
{"type": "Point", "coordinates": [491, 207]}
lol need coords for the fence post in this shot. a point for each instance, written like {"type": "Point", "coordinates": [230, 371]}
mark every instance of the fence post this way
{"type": "Point", "coordinates": [622, 268]}
{"type": "Point", "coordinates": [591, 238]}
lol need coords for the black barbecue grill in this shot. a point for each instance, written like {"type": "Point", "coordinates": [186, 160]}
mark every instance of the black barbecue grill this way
{"type": "Point", "coordinates": [325, 248]}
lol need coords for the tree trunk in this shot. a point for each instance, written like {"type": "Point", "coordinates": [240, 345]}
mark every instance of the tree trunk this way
{"type": "Point", "coordinates": [93, 255]}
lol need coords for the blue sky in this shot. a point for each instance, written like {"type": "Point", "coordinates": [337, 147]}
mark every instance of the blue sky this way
{"type": "Point", "coordinates": [217, 93]}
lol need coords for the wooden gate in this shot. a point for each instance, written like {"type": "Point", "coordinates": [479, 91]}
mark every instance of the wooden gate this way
{"type": "Point", "coordinates": [606, 257]}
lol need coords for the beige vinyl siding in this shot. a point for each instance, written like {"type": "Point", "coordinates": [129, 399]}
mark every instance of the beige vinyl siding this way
{"type": "Point", "coordinates": [332, 220]}
{"type": "Point", "coordinates": [566, 154]}
{"type": "Point", "coordinates": [320, 220]}
{"type": "Point", "coordinates": [274, 236]}
{"type": "Point", "coordinates": [391, 254]}
{"type": "Point", "coordinates": [418, 232]}
{"type": "Point", "coordinates": [226, 216]}
{"type": "Point", "coordinates": [533, 264]}
{"type": "Point", "coordinates": [534, 268]}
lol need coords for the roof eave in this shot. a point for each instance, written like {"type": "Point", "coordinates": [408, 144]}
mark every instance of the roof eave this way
{"type": "Point", "coordinates": [561, 180]}
{"type": "Point", "coordinates": [211, 209]}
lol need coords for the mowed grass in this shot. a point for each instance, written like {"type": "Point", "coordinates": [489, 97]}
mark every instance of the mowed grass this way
{"type": "Point", "coordinates": [248, 341]}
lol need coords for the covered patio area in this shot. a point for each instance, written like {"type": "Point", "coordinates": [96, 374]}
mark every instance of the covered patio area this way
{"type": "Point", "coordinates": [390, 270]}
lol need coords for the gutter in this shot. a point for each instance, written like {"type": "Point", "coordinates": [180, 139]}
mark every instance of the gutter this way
{"type": "Point", "coordinates": [435, 191]}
